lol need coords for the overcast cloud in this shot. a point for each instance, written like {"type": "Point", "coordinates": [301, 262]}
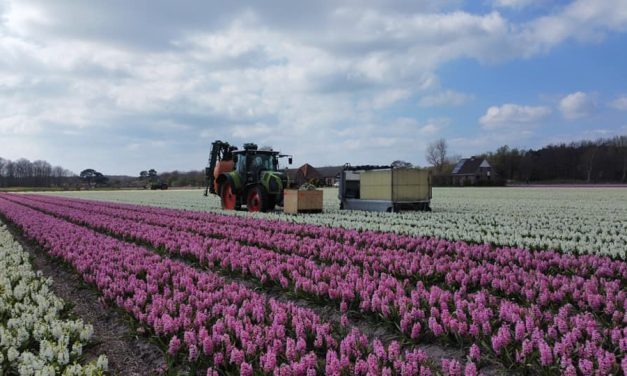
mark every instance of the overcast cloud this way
{"type": "Point", "coordinates": [123, 86]}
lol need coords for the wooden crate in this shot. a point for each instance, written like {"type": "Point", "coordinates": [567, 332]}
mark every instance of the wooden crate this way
{"type": "Point", "coordinates": [296, 201]}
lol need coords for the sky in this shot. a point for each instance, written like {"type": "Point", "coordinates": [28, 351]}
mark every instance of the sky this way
{"type": "Point", "coordinates": [123, 86]}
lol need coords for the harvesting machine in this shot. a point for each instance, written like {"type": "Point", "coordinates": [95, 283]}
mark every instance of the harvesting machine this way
{"type": "Point", "coordinates": [246, 177]}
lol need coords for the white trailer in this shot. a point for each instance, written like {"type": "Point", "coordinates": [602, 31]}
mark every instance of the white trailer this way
{"type": "Point", "coordinates": [384, 188]}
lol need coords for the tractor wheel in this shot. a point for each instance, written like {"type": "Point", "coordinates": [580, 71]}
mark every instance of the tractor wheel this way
{"type": "Point", "coordinates": [257, 200]}
{"type": "Point", "coordinates": [228, 196]}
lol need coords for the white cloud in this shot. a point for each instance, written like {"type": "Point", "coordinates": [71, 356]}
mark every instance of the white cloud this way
{"type": "Point", "coordinates": [97, 71]}
{"type": "Point", "coordinates": [513, 116]}
{"type": "Point", "coordinates": [252, 131]}
{"type": "Point", "coordinates": [431, 128]}
{"type": "Point", "coordinates": [483, 142]}
{"type": "Point", "coordinates": [620, 103]}
{"type": "Point", "coordinates": [133, 146]}
{"type": "Point", "coordinates": [583, 20]}
{"type": "Point", "coordinates": [389, 97]}
{"type": "Point", "coordinates": [577, 105]}
{"type": "Point", "coordinates": [402, 138]}
{"type": "Point", "coordinates": [445, 98]}
{"type": "Point", "coordinates": [516, 4]}
{"type": "Point", "coordinates": [406, 127]}
{"type": "Point", "coordinates": [21, 18]}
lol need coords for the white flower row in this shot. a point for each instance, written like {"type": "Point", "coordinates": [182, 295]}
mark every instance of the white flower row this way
{"type": "Point", "coordinates": [34, 338]}
{"type": "Point", "coordinates": [576, 220]}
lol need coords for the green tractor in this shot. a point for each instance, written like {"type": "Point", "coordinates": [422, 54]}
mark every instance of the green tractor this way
{"type": "Point", "coordinates": [246, 177]}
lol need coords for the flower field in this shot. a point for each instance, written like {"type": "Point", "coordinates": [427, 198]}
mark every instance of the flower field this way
{"type": "Point", "coordinates": [34, 337]}
{"type": "Point", "coordinates": [577, 220]}
{"type": "Point", "coordinates": [202, 318]}
{"type": "Point", "coordinates": [538, 311]}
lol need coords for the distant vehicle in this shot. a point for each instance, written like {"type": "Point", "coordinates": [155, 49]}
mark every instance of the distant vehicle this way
{"type": "Point", "coordinates": [159, 185]}
{"type": "Point", "coordinates": [336, 184]}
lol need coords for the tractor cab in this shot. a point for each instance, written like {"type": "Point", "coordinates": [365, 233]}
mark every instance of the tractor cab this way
{"type": "Point", "coordinates": [250, 163]}
{"type": "Point", "coordinates": [248, 177]}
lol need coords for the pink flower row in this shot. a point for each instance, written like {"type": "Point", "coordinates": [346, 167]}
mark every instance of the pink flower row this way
{"type": "Point", "coordinates": [203, 318]}
{"type": "Point", "coordinates": [430, 261]}
{"type": "Point", "coordinates": [524, 333]}
{"type": "Point", "coordinates": [545, 261]}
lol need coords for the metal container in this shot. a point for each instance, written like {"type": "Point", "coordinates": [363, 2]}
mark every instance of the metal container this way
{"type": "Point", "coordinates": [385, 189]}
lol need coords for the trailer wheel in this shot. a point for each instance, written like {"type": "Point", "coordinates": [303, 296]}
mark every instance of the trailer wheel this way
{"type": "Point", "coordinates": [228, 198]}
{"type": "Point", "coordinates": [257, 199]}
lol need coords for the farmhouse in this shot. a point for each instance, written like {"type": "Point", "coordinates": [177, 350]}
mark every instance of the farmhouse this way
{"type": "Point", "coordinates": [304, 174]}
{"type": "Point", "coordinates": [321, 176]}
{"type": "Point", "coordinates": [330, 174]}
{"type": "Point", "coordinates": [470, 171]}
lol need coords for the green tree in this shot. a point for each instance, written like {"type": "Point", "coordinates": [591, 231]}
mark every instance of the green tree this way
{"type": "Point", "coordinates": [88, 175]}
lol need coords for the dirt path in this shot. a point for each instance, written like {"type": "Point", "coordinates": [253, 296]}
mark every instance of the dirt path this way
{"type": "Point", "coordinates": [128, 353]}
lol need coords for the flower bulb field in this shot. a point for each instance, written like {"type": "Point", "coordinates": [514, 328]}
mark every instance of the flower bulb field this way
{"type": "Point", "coordinates": [574, 220]}
{"type": "Point", "coordinates": [502, 280]}
{"type": "Point", "coordinates": [30, 312]}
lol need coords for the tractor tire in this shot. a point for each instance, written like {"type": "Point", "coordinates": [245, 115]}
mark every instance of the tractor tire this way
{"type": "Point", "coordinates": [228, 198]}
{"type": "Point", "coordinates": [257, 199]}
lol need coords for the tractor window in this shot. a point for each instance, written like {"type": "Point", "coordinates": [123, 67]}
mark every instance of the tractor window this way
{"type": "Point", "coordinates": [263, 162]}
{"type": "Point", "coordinates": [241, 164]}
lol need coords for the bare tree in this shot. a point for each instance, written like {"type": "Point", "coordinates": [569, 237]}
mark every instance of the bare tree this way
{"type": "Point", "coordinates": [3, 164]}
{"type": "Point", "coordinates": [436, 154]}
{"type": "Point", "coordinates": [42, 172]}
{"type": "Point", "coordinates": [621, 143]}
{"type": "Point", "coordinates": [9, 170]}
{"type": "Point", "coordinates": [24, 170]}
{"type": "Point", "coordinates": [35, 174]}
{"type": "Point", "coordinates": [588, 161]}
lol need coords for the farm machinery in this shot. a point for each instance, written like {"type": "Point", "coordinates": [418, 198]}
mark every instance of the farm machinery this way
{"type": "Point", "coordinates": [384, 188]}
{"type": "Point", "coordinates": [159, 185]}
{"type": "Point", "coordinates": [245, 177]}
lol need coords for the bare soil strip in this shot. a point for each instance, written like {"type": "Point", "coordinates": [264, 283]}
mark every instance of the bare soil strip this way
{"type": "Point", "coordinates": [128, 352]}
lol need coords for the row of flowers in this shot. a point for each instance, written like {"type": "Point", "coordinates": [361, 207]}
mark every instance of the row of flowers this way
{"type": "Point", "coordinates": [474, 303]}
{"type": "Point", "coordinates": [591, 282]}
{"type": "Point", "coordinates": [287, 235]}
{"type": "Point", "coordinates": [588, 221]}
{"type": "Point", "coordinates": [206, 321]}
{"type": "Point", "coordinates": [35, 337]}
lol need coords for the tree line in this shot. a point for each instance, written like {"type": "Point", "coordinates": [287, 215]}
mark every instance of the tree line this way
{"type": "Point", "coordinates": [39, 173]}
{"type": "Point", "coordinates": [602, 161]}
{"type": "Point", "coordinates": [147, 178]}
{"type": "Point", "coordinates": [182, 178]}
